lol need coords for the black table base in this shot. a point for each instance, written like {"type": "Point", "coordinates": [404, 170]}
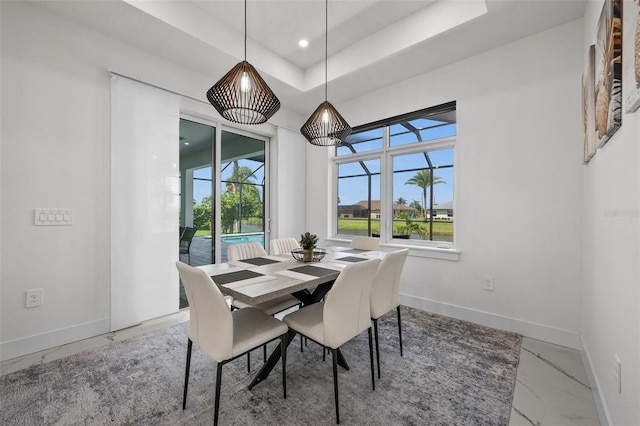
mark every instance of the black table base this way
{"type": "Point", "coordinates": [307, 298]}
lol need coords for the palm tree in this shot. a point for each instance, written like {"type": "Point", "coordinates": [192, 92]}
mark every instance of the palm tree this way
{"type": "Point", "coordinates": [241, 198]}
{"type": "Point", "coordinates": [239, 175]}
{"type": "Point", "coordinates": [416, 206]}
{"type": "Point", "coordinates": [401, 201]}
{"type": "Point", "coordinates": [423, 179]}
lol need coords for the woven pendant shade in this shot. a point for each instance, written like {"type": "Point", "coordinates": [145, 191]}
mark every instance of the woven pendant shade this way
{"type": "Point", "coordinates": [325, 127]}
{"type": "Point", "coordinates": [242, 96]}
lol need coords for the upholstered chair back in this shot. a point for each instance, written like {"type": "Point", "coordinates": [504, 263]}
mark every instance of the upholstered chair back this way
{"type": "Point", "coordinates": [366, 243]}
{"type": "Point", "coordinates": [346, 311]}
{"type": "Point", "coordinates": [385, 293]}
{"type": "Point", "coordinates": [211, 323]}
{"type": "Point", "coordinates": [284, 245]}
{"type": "Point", "coordinates": [245, 251]}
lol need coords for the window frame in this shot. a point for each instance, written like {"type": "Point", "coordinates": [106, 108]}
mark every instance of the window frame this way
{"type": "Point", "coordinates": [386, 155]}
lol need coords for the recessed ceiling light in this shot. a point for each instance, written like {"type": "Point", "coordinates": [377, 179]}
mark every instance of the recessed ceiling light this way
{"type": "Point", "coordinates": [303, 43]}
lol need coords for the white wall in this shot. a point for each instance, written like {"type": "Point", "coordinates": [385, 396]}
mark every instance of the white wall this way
{"type": "Point", "coordinates": [55, 140]}
{"type": "Point", "coordinates": [611, 250]}
{"type": "Point", "coordinates": [288, 180]}
{"type": "Point", "coordinates": [566, 265]}
{"type": "Point", "coordinates": [55, 143]}
{"type": "Point", "coordinates": [518, 147]}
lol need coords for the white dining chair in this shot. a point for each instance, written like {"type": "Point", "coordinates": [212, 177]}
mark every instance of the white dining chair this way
{"type": "Point", "coordinates": [284, 246]}
{"type": "Point", "coordinates": [365, 243]}
{"type": "Point", "coordinates": [245, 251]}
{"type": "Point", "coordinates": [385, 293]}
{"type": "Point", "coordinates": [342, 316]}
{"type": "Point", "coordinates": [238, 252]}
{"type": "Point", "coordinates": [221, 334]}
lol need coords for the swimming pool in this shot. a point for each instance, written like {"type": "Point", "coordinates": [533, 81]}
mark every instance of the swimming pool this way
{"type": "Point", "coordinates": [253, 237]}
{"type": "Point", "coordinates": [250, 237]}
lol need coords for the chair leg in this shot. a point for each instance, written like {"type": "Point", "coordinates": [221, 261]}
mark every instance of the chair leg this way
{"type": "Point", "coordinates": [264, 353]}
{"type": "Point", "coordinates": [186, 374]}
{"type": "Point", "coordinates": [301, 337]}
{"type": "Point", "coordinates": [399, 329]}
{"type": "Point", "coordinates": [373, 376]}
{"type": "Point", "coordinates": [217, 403]}
{"type": "Point", "coordinates": [283, 350]}
{"type": "Point", "coordinates": [334, 357]}
{"type": "Point", "coordinates": [375, 328]}
{"type": "Point", "coordinates": [249, 362]}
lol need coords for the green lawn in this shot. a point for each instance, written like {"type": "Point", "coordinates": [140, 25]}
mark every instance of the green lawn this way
{"type": "Point", "coordinates": [439, 227]}
{"type": "Point", "coordinates": [251, 221]}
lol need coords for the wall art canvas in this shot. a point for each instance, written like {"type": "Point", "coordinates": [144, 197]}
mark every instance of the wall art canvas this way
{"type": "Point", "coordinates": [608, 76]}
{"type": "Point", "coordinates": [588, 106]}
{"type": "Point", "coordinates": [631, 60]}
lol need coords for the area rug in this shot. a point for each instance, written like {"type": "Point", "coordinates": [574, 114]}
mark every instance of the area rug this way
{"type": "Point", "coordinates": [452, 373]}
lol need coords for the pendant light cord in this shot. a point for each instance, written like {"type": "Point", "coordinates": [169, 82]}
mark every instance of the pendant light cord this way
{"type": "Point", "coordinates": [326, 49]}
{"type": "Point", "coordinates": [245, 30]}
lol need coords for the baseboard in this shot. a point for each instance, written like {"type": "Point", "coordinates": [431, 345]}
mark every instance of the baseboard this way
{"type": "Point", "coordinates": [528, 329]}
{"type": "Point", "coordinates": [40, 342]}
{"type": "Point", "coordinates": [601, 406]}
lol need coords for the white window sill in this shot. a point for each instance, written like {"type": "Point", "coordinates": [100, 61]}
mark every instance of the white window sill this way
{"type": "Point", "coordinates": [414, 250]}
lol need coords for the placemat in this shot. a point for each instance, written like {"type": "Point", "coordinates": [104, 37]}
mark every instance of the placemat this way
{"type": "Point", "coordinates": [352, 259]}
{"type": "Point", "coordinates": [259, 261]}
{"type": "Point", "coordinates": [313, 270]}
{"type": "Point", "coordinates": [355, 251]}
{"type": "Point", "coordinates": [231, 277]}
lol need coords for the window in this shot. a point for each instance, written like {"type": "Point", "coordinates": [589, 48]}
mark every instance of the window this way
{"type": "Point", "coordinates": [358, 188]}
{"type": "Point", "coordinates": [395, 178]}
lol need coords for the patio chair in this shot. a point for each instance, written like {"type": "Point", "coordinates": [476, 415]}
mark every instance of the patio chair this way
{"type": "Point", "coordinates": [186, 235]}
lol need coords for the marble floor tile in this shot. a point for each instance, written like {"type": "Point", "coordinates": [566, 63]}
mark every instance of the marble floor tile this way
{"type": "Point", "coordinates": [552, 388]}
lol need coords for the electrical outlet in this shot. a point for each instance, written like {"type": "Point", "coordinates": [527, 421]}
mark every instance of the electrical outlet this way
{"type": "Point", "coordinates": [35, 297]}
{"type": "Point", "coordinates": [487, 282]}
{"type": "Point", "coordinates": [617, 372]}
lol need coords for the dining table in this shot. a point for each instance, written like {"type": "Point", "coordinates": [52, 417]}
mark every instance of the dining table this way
{"type": "Point", "coordinates": [260, 279]}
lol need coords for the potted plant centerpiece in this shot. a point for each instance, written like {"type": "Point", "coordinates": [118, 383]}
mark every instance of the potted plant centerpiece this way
{"type": "Point", "coordinates": [308, 242]}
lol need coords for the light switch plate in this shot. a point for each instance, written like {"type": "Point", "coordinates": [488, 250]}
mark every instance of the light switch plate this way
{"type": "Point", "coordinates": [53, 217]}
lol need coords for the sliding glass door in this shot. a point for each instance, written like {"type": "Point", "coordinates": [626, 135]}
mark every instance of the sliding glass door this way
{"type": "Point", "coordinates": [197, 142]}
{"type": "Point", "coordinates": [243, 189]}
{"type": "Point", "coordinates": [222, 201]}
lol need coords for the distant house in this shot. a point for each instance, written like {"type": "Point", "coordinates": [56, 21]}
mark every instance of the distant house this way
{"type": "Point", "coordinates": [361, 210]}
{"type": "Point", "coordinates": [443, 210]}
{"type": "Point", "coordinates": [352, 211]}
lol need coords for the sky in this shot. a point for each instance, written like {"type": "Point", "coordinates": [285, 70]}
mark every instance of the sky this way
{"type": "Point", "coordinates": [202, 188]}
{"type": "Point", "coordinates": [354, 189]}
{"type": "Point", "coordinates": [405, 166]}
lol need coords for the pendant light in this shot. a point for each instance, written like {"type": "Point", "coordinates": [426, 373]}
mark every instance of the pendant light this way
{"type": "Point", "coordinates": [242, 96]}
{"type": "Point", "coordinates": [326, 126]}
